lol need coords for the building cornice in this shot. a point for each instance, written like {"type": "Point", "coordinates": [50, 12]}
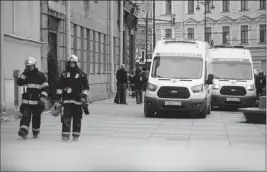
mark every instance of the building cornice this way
{"type": "Point", "coordinates": [24, 39]}
{"type": "Point", "coordinates": [226, 19]}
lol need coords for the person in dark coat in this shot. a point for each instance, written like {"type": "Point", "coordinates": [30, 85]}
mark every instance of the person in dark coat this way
{"type": "Point", "coordinates": [122, 81]}
{"type": "Point", "coordinates": [145, 78]}
{"type": "Point", "coordinates": [132, 83]}
{"type": "Point", "coordinates": [139, 84]}
{"type": "Point", "coordinates": [259, 83]}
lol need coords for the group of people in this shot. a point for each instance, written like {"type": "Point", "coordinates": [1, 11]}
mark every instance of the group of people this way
{"type": "Point", "coordinates": [72, 92]}
{"type": "Point", "coordinates": [136, 81]}
{"type": "Point", "coordinates": [71, 95]}
{"type": "Point", "coordinates": [260, 82]}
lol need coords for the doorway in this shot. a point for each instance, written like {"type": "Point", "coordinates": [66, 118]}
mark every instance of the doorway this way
{"type": "Point", "coordinates": [52, 60]}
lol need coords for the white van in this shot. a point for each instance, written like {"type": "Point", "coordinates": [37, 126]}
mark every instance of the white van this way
{"type": "Point", "coordinates": [234, 82]}
{"type": "Point", "coordinates": [178, 79]}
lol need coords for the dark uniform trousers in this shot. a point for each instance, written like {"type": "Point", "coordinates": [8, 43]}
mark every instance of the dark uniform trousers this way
{"type": "Point", "coordinates": [75, 112]}
{"type": "Point", "coordinates": [31, 113]}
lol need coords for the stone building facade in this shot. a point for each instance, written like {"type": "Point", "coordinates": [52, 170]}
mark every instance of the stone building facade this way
{"type": "Point", "coordinates": [140, 42]}
{"type": "Point", "coordinates": [38, 28]}
{"type": "Point", "coordinates": [90, 34]}
{"type": "Point", "coordinates": [21, 32]}
{"type": "Point", "coordinates": [231, 22]}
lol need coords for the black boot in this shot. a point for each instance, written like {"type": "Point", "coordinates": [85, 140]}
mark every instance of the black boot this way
{"type": "Point", "coordinates": [22, 134]}
{"type": "Point", "coordinates": [75, 138]}
{"type": "Point", "coordinates": [35, 136]}
{"type": "Point", "coordinates": [65, 138]}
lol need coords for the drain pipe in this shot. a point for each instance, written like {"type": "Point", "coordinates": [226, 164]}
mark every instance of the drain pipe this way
{"type": "Point", "coordinates": [121, 32]}
{"type": "Point", "coordinates": [112, 90]}
{"type": "Point", "coordinates": [182, 18]}
{"type": "Point", "coordinates": [68, 30]}
{"type": "Point", "coordinates": [2, 99]}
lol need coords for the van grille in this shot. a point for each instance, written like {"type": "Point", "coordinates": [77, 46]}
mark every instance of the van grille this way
{"type": "Point", "coordinates": [173, 92]}
{"type": "Point", "coordinates": [233, 91]}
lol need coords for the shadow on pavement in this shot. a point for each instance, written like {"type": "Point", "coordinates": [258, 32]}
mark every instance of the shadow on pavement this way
{"type": "Point", "coordinates": [175, 115]}
{"type": "Point", "coordinates": [225, 109]}
{"type": "Point", "coordinates": [254, 121]}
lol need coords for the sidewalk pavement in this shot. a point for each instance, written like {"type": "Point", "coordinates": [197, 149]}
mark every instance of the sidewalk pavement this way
{"type": "Point", "coordinates": [119, 137]}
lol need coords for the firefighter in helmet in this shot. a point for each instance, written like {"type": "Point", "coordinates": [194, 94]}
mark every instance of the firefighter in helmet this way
{"type": "Point", "coordinates": [72, 92]}
{"type": "Point", "coordinates": [34, 96]}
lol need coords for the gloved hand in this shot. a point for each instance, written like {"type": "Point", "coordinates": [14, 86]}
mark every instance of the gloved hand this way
{"type": "Point", "coordinates": [57, 105]}
{"type": "Point", "coordinates": [42, 100]}
{"type": "Point", "coordinates": [26, 71]}
{"type": "Point", "coordinates": [83, 100]}
{"type": "Point", "coordinates": [85, 106]}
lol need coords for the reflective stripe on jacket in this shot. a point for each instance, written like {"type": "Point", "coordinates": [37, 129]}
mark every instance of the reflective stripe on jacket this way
{"type": "Point", "coordinates": [35, 86]}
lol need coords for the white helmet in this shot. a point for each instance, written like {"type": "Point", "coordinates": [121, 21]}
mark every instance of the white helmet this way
{"type": "Point", "coordinates": [30, 61]}
{"type": "Point", "coordinates": [72, 58]}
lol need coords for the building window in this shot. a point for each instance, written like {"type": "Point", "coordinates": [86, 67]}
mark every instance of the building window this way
{"type": "Point", "coordinates": [244, 34]}
{"type": "Point", "coordinates": [226, 34]}
{"type": "Point", "coordinates": [262, 4]}
{"type": "Point", "coordinates": [262, 33]}
{"type": "Point", "coordinates": [190, 32]}
{"type": "Point", "coordinates": [226, 6]}
{"type": "Point", "coordinates": [143, 34]}
{"type": "Point", "coordinates": [244, 5]}
{"type": "Point", "coordinates": [208, 34]}
{"type": "Point", "coordinates": [168, 33]}
{"type": "Point", "coordinates": [168, 7]}
{"type": "Point", "coordinates": [191, 6]}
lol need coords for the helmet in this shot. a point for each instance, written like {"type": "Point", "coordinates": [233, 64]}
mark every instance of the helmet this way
{"type": "Point", "coordinates": [256, 72]}
{"type": "Point", "coordinates": [56, 109]}
{"type": "Point", "coordinates": [30, 61]}
{"type": "Point", "coordinates": [72, 58]}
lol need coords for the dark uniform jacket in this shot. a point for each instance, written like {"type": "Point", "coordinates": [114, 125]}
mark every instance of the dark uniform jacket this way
{"type": "Point", "coordinates": [36, 87]}
{"type": "Point", "coordinates": [76, 81]}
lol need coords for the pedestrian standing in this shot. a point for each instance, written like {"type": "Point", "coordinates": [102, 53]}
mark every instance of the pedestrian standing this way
{"type": "Point", "coordinates": [34, 96]}
{"type": "Point", "coordinates": [72, 92]}
{"type": "Point", "coordinates": [144, 75]}
{"type": "Point", "coordinates": [122, 81]}
{"type": "Point", "coordinates": [138, 82]}
{"type": "Point", "coordinates": [132, 86]}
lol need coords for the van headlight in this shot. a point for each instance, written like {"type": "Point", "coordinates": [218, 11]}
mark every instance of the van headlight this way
{"type": "Point", "coordinates": [151, 87]}
{"type": "Point", "coordinates": [251, 87]}
{"type": "Point", "coordinates": [197, 88]}
{"type": "Point", "coordinates": [215, 86]}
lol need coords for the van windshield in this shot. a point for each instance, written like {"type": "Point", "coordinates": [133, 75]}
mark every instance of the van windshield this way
{"type": "Point", "coordinates": [177, 67]}
{"type": "Point", "coordinates": [232, 70]}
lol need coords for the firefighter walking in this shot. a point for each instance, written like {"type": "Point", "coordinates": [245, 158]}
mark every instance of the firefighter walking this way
{"type": "Point", "coordinates": [72, 92]}
{"type": "Point", "coordinates": [33, 98]}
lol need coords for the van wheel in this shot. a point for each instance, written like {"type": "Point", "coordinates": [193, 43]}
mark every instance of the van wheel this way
{"type": "Point", "coordinates": [147, 111]}
{"type": "Point", "coordinates": [204, 113]}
